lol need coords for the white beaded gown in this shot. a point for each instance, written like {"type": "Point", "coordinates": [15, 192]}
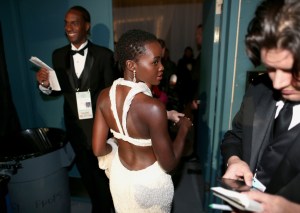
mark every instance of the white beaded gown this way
{"type": "Point", "coordinates": [149, 190]}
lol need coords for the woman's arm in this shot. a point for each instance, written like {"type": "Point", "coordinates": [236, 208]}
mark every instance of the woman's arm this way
{"type": "Point", "coordinates": [167, 152]}
{"type": "Point", "coordinates": [100, 129]}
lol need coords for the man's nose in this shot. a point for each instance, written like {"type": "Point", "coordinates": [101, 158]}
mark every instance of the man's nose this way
{"type": "Point", "coordinates": [282, 79]}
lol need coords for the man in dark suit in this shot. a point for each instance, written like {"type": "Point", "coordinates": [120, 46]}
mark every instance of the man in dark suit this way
{"type": "Point", "coordinates": [83, 69]}
{"type": "Point", "coordinates": [255, 146]}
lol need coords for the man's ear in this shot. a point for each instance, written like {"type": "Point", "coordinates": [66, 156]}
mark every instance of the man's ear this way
{"type": "Point", "coordinates": [87, 26]}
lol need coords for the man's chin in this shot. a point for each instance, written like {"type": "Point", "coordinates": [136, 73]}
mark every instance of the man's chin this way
{"type": "Point", "coordinates": [292, 98]}
{"type": "Point", "coordinates": [71, 39]}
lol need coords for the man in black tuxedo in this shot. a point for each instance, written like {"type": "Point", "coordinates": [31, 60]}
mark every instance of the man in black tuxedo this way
{"type": "Point", "coordinates": [255, 145]}
{"type": "Point", "coordinates": [82, 75]}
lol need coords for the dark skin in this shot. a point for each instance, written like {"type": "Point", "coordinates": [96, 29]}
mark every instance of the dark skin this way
{"type": "Point", "coordinates": [149, 113]}
{"type": "Point", "coordinates": [76, 29]}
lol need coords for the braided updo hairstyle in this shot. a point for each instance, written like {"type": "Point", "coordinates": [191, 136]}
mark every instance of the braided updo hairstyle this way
{"type": "Point", "coordinates": [131, 45]}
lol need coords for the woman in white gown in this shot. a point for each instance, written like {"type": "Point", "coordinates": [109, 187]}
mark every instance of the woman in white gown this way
{"type": "Point", "coordinates": [141, 154]}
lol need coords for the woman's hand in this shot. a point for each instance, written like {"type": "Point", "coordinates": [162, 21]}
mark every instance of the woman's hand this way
{"type": "Point", "coordinates": [184, 122]}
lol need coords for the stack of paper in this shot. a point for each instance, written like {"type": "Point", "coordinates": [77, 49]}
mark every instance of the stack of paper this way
{"type": "Point", "coordinates": [52, 75]}
{"type": "Point", "coordinates": [236, 199]}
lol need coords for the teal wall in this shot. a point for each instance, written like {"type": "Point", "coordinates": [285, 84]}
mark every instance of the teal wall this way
{"type": "Point", "coordinates": [36, 28]}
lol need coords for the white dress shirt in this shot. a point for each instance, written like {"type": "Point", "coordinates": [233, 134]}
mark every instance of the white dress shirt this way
{"type": "Point", "coordinates": [79, 60]}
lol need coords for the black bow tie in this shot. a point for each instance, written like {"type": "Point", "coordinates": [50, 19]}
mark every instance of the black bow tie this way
{"type": "Point", "coordinates": [81, 52]}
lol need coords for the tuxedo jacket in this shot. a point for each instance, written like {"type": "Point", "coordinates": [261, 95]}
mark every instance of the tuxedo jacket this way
{"type": "Point", "coordinates": [252, 130]}
{"type": "Point", "coordinates": [97, 74]}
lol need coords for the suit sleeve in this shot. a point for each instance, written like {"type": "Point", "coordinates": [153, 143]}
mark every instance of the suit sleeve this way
{"type": "Point", "coordinates": [238, 140]}
{"type": "Point", "coordinates": [58, 58]}
{"type": "Point", "coordinates": [234, 139]}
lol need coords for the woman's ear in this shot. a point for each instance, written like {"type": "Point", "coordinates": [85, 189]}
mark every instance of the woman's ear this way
{"type": "Point", "coordinates": [130, 65]}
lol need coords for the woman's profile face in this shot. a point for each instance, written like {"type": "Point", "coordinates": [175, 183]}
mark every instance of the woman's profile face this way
{"type": "Point", "coordinates": [148, 66]}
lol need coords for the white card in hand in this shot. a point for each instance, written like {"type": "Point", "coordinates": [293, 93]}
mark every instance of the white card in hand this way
{"type": "Point", "coordinates": [258, 185]}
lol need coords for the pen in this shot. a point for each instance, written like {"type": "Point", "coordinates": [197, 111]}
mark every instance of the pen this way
{"type": "Point", "coordinates": [220, 207]}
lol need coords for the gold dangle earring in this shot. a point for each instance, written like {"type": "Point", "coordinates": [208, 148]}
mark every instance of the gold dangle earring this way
{"type": "Point", "coordinates": [134, 79]}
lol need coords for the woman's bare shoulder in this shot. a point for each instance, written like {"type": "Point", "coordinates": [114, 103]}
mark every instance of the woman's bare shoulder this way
{"type": "Point", "coordinates": [103, 96]}
{"type": "Point", "coordinates": [149, 106]}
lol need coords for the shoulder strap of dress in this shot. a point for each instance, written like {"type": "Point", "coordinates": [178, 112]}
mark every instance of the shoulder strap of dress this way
{"type": "Point", "coordinates": [112, 97]}
{"type": "Point", "coordinates": [137, 88]}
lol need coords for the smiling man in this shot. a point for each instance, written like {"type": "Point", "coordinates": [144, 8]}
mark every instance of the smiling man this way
{"type": "Point", "coordinates": [83, 69]}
